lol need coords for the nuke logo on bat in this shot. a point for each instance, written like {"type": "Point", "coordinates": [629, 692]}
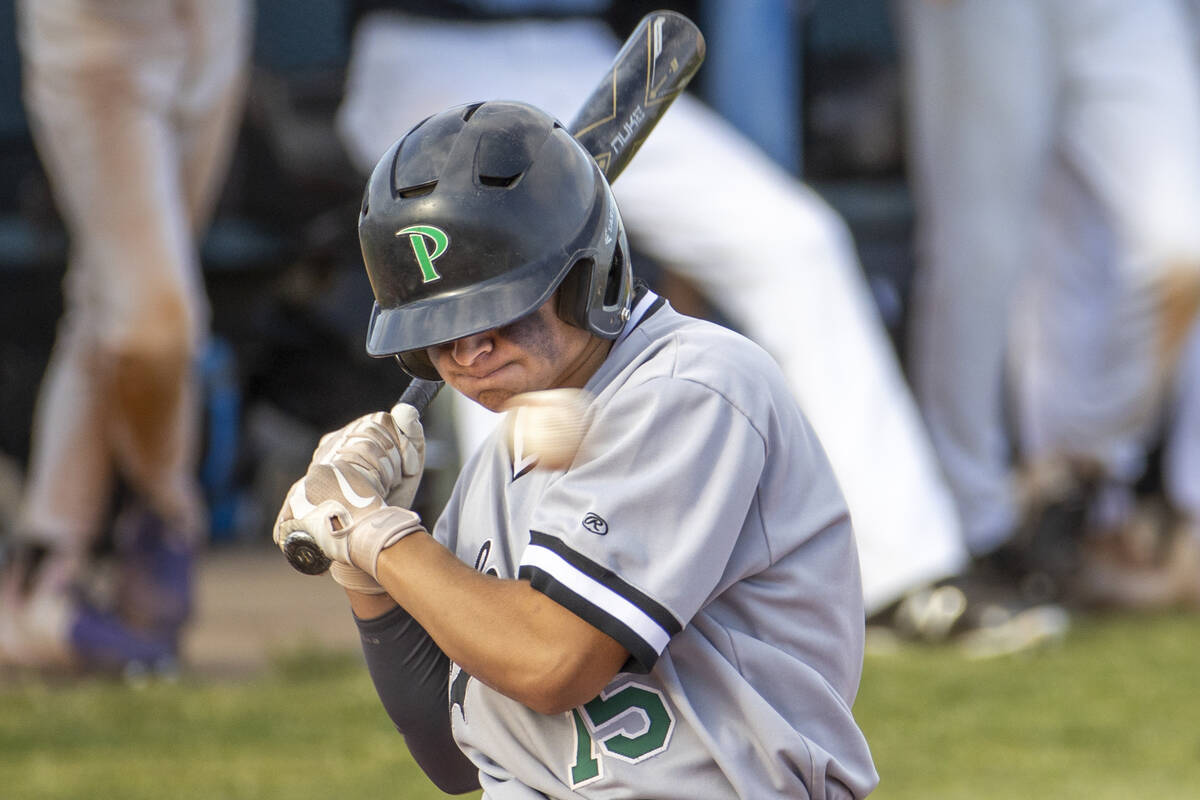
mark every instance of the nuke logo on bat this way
{"type": "Point", "coordinates": [421, 237]}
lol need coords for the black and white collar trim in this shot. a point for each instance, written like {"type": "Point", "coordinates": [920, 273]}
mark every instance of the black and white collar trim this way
{"type": "Point", "coordinates": [645, 303]}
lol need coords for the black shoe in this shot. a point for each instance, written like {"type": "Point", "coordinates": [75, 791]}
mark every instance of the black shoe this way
{"type": "Point", "coordinates": [986, 612]}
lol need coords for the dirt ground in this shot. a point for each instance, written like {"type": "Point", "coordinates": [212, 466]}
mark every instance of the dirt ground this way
{"type": "Point", "coordinates": [250, 605]}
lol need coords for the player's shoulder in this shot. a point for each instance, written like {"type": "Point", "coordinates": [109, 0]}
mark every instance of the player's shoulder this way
{"type": "Point", "coordinates": [701, 345]}
{"type": "Point", "coordinates": [685, 352]}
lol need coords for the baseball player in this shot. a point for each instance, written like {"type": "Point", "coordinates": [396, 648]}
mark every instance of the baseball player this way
{"type": "Point", "coordinates": [134, 107]}
{"type": "Point", "coordinates": [677, 613]}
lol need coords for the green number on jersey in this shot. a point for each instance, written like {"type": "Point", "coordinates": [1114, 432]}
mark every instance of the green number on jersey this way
{"type": "Point", "coordinates": [632, 699]}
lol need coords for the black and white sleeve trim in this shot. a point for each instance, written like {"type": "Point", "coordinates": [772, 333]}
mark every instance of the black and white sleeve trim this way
{"type": "Point", "coordinates": [596, 594]}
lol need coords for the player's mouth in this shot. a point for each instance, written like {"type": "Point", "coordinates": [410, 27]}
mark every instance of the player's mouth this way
{"type": "Point", "coordinates": [474, 383]}
{"type": "Point", "coordinates": [485, 375]}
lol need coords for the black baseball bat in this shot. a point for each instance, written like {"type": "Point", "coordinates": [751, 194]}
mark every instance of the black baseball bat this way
{"type": "Point", "coordinates": [651, 69]}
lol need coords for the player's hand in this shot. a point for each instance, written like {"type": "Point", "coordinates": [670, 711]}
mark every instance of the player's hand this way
{"type": "Point", "coordinates": [388, 447]}
{"type": "Point", "coordinates": [341, 506]}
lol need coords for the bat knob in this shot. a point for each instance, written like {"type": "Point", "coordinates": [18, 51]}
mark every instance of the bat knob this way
{"type": "Point", "coordinates": [303, 553]}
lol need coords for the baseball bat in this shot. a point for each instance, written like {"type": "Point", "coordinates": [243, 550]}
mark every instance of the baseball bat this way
{"type": "Point", "coordinates": [651, 69]}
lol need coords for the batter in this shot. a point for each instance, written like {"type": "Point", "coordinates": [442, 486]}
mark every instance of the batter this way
{"type": "Point", "coordinates": [679, 612]}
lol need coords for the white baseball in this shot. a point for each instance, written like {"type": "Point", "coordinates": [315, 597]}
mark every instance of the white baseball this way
{"type": "Point", "coordinates": [549, 425]}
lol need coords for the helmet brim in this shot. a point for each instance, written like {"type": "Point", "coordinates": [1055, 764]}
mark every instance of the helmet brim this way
{"type": "Point", "coordinates": [453, 315]}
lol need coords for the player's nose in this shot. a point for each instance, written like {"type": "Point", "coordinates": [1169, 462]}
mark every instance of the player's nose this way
{"type": "Point", "coordinates": [467, 350]}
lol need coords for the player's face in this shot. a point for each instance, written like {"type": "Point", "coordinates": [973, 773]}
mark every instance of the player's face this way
{"type": "Point", "coordinates": [537, 351]}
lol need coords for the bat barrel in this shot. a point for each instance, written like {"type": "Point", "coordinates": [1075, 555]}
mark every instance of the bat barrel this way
{"type": "Point", "coordinates": [653, 67]}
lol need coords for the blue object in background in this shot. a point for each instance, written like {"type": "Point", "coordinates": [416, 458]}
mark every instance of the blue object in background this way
{"type": "Point", "coordinates": [222, 415]}
{"type": "Point", "coordinates": [752, 74]}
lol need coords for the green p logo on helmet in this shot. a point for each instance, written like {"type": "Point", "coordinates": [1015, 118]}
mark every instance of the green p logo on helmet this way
{"type": "Point", "coordinates": [419, 237]}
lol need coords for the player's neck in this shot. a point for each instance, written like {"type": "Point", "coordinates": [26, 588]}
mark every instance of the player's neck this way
{"type": "Point", "coordinates": [584, 366]}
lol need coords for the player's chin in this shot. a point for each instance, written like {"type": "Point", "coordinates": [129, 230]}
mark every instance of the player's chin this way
{"type": "Point", "coordinates": [490, 395]}
{"type": "Point", "coordinates": [493, 399]}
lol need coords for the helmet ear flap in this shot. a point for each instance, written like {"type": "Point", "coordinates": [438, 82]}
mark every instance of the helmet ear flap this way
{"type": "Point", "coordinates": [616, 282]}
{"type": "Point", "coordinates": [573, 293]}
{"type": "Point", "coordinates": [596, 297]}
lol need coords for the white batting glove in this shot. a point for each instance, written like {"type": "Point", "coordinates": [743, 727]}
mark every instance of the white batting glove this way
{"type": "Point", "coordinates": [388, 451]}
{"type": "Point", "coordinates": [387, 446]}
{"type": "Point", "coordinates": [341, 506]}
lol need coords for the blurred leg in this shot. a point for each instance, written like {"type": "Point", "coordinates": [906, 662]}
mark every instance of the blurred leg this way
{"type": "Point", "coordinates": [980, 88]}
{"type": "Point", "coordinates": [102, 83]}
{"type": "Point", "coordinates": [1182, 457]}
{"type": "Point", "coordinates": [1132, 134]}
{"type": "Point", "coordinates": [1072, 383]}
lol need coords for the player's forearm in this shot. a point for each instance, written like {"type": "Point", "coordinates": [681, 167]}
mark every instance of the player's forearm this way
{"type": "Point", "coordinates": [410, 675]}
{"type": "Point", "coordinates": [370, 606]}
{"type": "Point", "coordinates": [503, 632]}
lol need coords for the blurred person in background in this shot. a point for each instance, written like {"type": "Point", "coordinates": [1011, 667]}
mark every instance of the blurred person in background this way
{"type": "Point", "coordinates": [134, 108]}
{"type": "Point", "coordinates": [1055, 161]}
{"type": "Point", "coordinates": [703, 202]}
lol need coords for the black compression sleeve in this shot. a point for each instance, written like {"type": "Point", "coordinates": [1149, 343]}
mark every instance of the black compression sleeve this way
{"type": "Point", "coordinates": [410, 673]}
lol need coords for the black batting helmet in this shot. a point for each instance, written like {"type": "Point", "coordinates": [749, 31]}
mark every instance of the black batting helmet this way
{"type": "Point", "coordinates": [475, 218]}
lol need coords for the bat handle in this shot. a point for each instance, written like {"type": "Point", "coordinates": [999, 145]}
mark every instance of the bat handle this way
{"type": "Point", "coordinates": [299, 548]}
{"type": "Point", "coordinates": [420, 393]}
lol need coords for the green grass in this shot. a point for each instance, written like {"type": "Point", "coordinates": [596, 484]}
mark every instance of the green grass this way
{"type": "Point", "coordinates": [1112, 712]}
{"type": "Point", "coordinates": [313, 729]}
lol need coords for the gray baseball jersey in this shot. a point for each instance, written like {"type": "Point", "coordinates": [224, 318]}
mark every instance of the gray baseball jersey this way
{"type": "Point", "coordinates": [700, 526]}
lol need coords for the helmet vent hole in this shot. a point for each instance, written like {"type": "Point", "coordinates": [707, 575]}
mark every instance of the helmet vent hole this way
{"type": "Point", "coordinates": [470, 110]}
{"type": "Point", "coordinates": [612, 287]}
{"type": "Point", "coordinates": [420, 190]}
{"type": "Point", "coordinates": [501, 181]}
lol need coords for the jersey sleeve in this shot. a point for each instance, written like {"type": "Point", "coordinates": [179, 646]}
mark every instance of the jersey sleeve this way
{"type": "Point", "coordinates": [637, 535]}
